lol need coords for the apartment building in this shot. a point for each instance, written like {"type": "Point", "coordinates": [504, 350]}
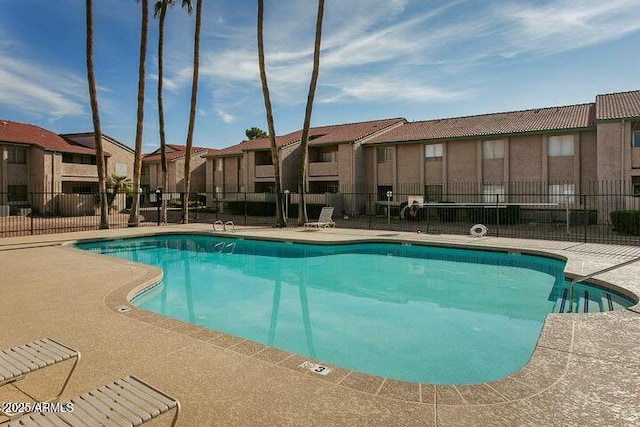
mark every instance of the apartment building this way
{"type": "Point", "coordinates": [335, 160]}
{"type": "Point", "coordinates": [151, 176]}
{"type": "Point", "coordinates": [37, 166]}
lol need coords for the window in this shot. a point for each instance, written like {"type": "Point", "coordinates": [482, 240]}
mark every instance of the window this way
{"type": "Point", "coordinates": [265, 187]}
{"type": "Point", "coordinates": [17, 193]}
{"type": "Point", "coordinates": [493, 149]}
{"type": "Point", "coordinates": [385, 154]}
{"type": "Point", "coordinates": [433, 152]}
{"type": "Point", "coordinates": [433, 193]}
{"type": "Point", "coordinates": [217, 164]}
{"type": "Point", "coordinates": [562, 194]}
{"type": "Point", "coordinates": [636, 139]}
{"type": "Point", "coordinates": [561, 145]}
{"type": "Point", "coordinates": [84, 159]}
{"type": "Point", "coordinates": [635, 182]}
{"type": "Point", "coordinates": [17, 155]}
{"type": "Point", "coordinates": [493, 193]}
{"type": "Point", "coordinates": [323, 155]}
{"type": "Point", "coordinates": [263, 158]}
{"type": "Point", "coordinates": [382, 192]}
{"type": "Point", "coordinates": [322, 187]}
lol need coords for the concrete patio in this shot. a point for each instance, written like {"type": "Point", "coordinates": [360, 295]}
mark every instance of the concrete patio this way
{"type": "Point", "coordinates": [585, 370]}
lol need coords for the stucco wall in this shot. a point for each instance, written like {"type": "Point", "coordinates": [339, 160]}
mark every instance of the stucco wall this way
{"type": "Point", "coordinates": [609, 151]}
{"type": "Point", "coordinates": [408, 158]}
{"type": "Point", "coordinates": [461, 159]}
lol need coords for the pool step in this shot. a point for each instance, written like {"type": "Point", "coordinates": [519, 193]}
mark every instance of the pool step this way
{"type": "Point", "coordinates": [586, 302]}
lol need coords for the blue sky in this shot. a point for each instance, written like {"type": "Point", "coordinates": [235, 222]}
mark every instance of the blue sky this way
{"type": "Point", "coordinates": [416, 59]}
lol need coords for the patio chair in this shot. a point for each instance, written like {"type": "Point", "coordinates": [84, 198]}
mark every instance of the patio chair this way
{"type": "Point", "coordinates": [324, 221]}
{"type": "Point", "coordinates": [17, 362]}
{"type": "Point", "coordinates": [126, 402]}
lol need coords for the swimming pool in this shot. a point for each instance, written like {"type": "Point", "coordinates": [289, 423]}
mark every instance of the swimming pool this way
{"type": "Point", "coordinates": [414, 313]}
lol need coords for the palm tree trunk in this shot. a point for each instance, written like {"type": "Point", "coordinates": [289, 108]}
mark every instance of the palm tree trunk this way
{"type": "Point", "coordinates": [304, 144]}
{"type": "Point", "coordinates": [97, 133]}
{"type": "Point", "coordinates": [163, 143]}
{"type": "Point", "coordinates": [192, 112]}
{"type": "Point", "coordinates": [267, 105]}
{"type": "Point", "coordinates": [137, 162]}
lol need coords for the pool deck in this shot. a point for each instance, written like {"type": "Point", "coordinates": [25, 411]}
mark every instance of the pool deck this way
{"type": "Point", "coordinates": [585, 370]}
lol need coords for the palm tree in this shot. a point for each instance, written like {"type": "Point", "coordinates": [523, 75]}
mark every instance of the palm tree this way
{"type": "Point", "coordinates": [160, 11]}
{"type": "Point", "coordinates": [97, 133]}
{"type": "Point", "coordinates": [304, 144]}
{"type": "Point", "coordinates": [137, 162]}
{"type": "Point", "coordinates": [192, 113]}
{"type": "Point", "coordinates": [267, 105]}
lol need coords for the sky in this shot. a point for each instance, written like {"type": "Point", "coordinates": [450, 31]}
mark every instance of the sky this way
{"type": "Point", "coordinates": [417, 59]}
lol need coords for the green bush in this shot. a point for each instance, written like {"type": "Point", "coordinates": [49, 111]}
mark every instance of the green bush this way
{"type": "Point", "coordinates": [626, 222]}
{"type": "Point", "coordinates": [508, 215]}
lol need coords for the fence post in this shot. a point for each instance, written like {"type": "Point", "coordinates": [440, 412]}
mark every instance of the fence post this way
{"type": "Point", "coordinates": [245, 208]}
{"type": "Point", "coordinates": [585, 220]}
{"type": "Point", "coordinates": [498, 215]}
{"type": "Point", "coordinates": [32, 213]}
{"type": "Point", "coordinates": [370, 208]}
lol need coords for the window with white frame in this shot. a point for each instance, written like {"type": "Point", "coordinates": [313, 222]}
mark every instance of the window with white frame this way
{"type": "Point", "coordinates": [433, 152]}
{"type": "Point", "coordinates": [493, 149]}
{"type": "Point", "coordinates": [385, 154]}
{"type": "Point", "coordinates": [562, 194]}
{"type": "Point", "coordinates": [560, 145]}
{"type": "Point", "coordinates": [217, 164]}
{"type": "Point", "coordinates": [493, 193]}
{"type": "Point", "coordinates": [636, 140]}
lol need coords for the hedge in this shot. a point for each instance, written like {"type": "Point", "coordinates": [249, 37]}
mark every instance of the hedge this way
{"type": "Point", "coordinates": [626, 222]}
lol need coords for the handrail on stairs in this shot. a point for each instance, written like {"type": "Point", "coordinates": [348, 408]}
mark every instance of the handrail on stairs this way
{"type": "Point", "coordinates": [589, 276]}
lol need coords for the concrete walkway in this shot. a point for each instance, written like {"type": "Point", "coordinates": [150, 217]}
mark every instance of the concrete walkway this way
{"type": "Point", "coordinates": [585, 370]}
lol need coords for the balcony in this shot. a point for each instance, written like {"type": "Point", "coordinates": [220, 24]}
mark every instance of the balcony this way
{"type": "Point", "coordinates": [323, 169]}
{"type": "Point", "coordinates": [264, 171]}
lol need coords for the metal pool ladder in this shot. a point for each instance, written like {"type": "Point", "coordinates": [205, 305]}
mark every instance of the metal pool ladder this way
{"type": "Point", "coordinates": [224, 225]}
{"type": "Point", "coordinates": [221, 247]}
{"type": "Point", "coordinates": [589, 276]}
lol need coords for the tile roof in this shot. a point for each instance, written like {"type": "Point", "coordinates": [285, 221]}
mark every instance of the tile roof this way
{"type": "Point", "coordinates": [513, 122]}
{"type": "Point", "coordinates": [319, 135]}
{"type": "Point", "coordinates": [174, 152]}
{"type": "Point", "coordinates": [24, 133]}
{"type": "Point", "coordinates": [90, 142]}
{"type": "Point", "coordinates": [622, 105]}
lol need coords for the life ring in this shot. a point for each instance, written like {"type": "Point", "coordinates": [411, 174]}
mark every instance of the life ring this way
{"type": "Point", "coordinates": [478, 230]}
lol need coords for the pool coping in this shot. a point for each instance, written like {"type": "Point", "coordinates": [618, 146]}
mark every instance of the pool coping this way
{"type": "Point", "coordinates": [547, 366]}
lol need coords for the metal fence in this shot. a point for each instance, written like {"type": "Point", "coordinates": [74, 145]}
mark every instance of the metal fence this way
{"type": "Point", "coordinates": [603, 212]}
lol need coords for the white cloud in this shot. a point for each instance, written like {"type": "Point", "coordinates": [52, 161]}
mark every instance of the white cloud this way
{"type": "Point", "coordinates": [390, 89]}
{"type": "Point", "coordinates": [226, 117]}
{"type": "Point", "coordinates": [40, 89]}
{"type": "Point", "coordinates": [563, 25]}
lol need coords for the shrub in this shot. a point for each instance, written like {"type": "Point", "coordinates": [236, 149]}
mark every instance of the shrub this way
{"type": "Point", "coordinates": [626, 222]}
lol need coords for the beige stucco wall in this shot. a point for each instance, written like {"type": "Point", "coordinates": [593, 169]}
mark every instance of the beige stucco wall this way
{"type": "Point", "coordinates": [610, 151]}
{"type": "Point", "coordinates": [588, 157]}
{"type": "Point", "coordinates": [118, 154]}
{"type": "Point", "coordinates": [462, 163]}
{"type": "Point", "coordinates": [408, 158]}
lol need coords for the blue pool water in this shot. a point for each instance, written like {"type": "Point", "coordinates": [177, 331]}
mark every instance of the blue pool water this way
{"type": "Point", "coordinates": [413, 313]}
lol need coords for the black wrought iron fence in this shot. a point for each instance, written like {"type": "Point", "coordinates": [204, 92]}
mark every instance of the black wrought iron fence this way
{"type": "Point", "coordinates": [604, 212]}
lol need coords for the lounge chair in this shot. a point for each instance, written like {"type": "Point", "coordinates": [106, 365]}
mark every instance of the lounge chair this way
{"type": "Point", "coordinates": [17, 362]}
{"type": "Point", "coordinates": [126, 402]}
{"type": "Point", "coordinates": [324, 221]}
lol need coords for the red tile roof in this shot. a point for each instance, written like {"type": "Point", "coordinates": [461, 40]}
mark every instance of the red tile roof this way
{"type": "Point", "coordinates": [23, 133]}
{"type": "Point", "coordinates": [622, 105]}
{"type": "Point", "coordinates": [174, 152]}
{"type": "Point", "coordinates": [331, 134]}
{"type": "Point", "coordinates": [513, 122]}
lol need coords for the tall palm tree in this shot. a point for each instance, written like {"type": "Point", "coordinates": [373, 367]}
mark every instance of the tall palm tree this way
{"type": "Point", "coordinates": [267, 105]}
{"type": "Point", "coordinates": [97, 133]}
{"type": "Point", "coordinates": [304, 144]}
{"type": "Point", "coordinates": [192, 112]}
{"type": "Point", "coordinates": [137, 162]}
{"type": "Point", "coordinates": [160, 12]}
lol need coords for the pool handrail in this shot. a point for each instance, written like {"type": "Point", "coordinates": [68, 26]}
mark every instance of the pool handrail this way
{"type": "Point", "coordinates": [595, 273]}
